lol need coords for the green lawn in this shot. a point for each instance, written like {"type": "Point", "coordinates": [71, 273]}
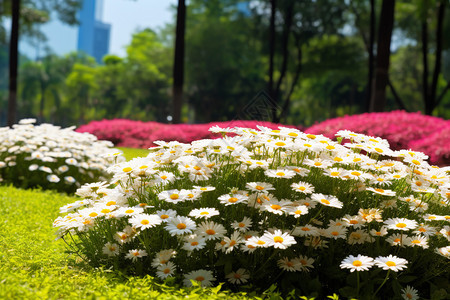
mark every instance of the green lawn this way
{"type": "Point", "coordinates": [130, 153]}
{"type": "Point", "coordinates": [35, 266]}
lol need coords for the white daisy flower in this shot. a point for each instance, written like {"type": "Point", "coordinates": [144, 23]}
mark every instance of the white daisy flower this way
{"type": "Point", "coordinates": [165, 270]}
{"type": "Point", "coordinates": [243, 225]}
{"type": "Point", "coordinates": [194, 242]}
{"type": "Point", "coordinates": [391, 262]}
{"type": "Point", "coordinates": [166, 215]}
{"type": "Point", "coordinates": [357, 263]}
{"type": "Point", "coordinates": [409, 293]}
{"type": "Point", "coordinates": [110, 249]}
{"type": "Point", "coordinates": [203, 277]}
{"type": "Point", "coordinates": [238, 277]}
{"type": "Point", "coordinates": [206, 212]}
{"type": "Point", "coordinates": [276, 207]}
{"type": "Point", "coordinates": [419, 241]}
{"type": "Point", "coordinates": [232, 199]}
{"type": "Point", "coordinates": [135, 254]}
{"type": "Point", "coordinates": [180, 225]}
{"type": "Point", "coordinates": [211, 230]}
{"type": "Point", "coordinates": [400, 224]}
{"type": "Point", "coordinates": [280, 173]}
{"type": "Point", "coordinates": [278, 239]}
{"type": "Point", "coordinates": [305, 263]}
{"type": "Point", "coordinates": [303, 187]}
{"type": "Point", "coordinates": [297, 211]}
{"type": "Point", "coordinates": [144, 221]}
{"type": "Point", "coordinates": [327, 200]}
{"type": "Point", "coordinates": [260, 187]}
{"type": "Point", "coordinates": [288, 264]}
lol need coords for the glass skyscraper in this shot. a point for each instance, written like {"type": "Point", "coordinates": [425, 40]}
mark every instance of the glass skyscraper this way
{"type": "Point", "coordinates": [93, 34]}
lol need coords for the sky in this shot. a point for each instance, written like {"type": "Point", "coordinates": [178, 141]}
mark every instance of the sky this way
{"type": "Point", "coordinates": [125, 17]}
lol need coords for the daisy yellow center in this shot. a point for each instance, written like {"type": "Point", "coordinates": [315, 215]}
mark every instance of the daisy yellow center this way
{"type": "Point", "coordinates": [292, 134]}
{"type": "Point", "coordinates": [129, 211]}
{"type": "Point", "coordinates": [197, 168]}
{"type": "Point", "coordinates": [232, 243]}
{"type": "Point", "coordinates": [334, 173]}
{"type": "Point", "coordinates": [391, 263]}
{"type": "Point", "coordinates": [418, 183]}
{"type": "Point", "coordinates": [145, 222]}
{"type": "Point", "coordinates": [303, 262]}
{"type": "Point", "coordinates": [356, 236]}
{"type": "Point", "coordinates": [280, 144]}
{"type": "Point", "coordinates": [302, 188]}
{"type": "Point", "coordinates": [204, 213]}
{"type": "Point", "coordinates": [379, 190]}
{"type": "Point", "coordinates": [203, 189]}
{"type": "Point", "coordinates": [210, 232]}
{"type": "Point", "coordinates": [330, 147]}
{"type": "Point", "coordinates": [357, 263]}
{"type": "Point", "coordinates": [307, 145]}
{"type": "Point", "coordinates": [355, 173]}
{"type": "Point", "coordinates": [194, 243]}
{"type": "Point", "coordinates": [223, 243]}
{"type": "Point", "coordinates": [311, 136]}
{"type": "Point", "coordinates": [324, 201]}
{"type": "Point", "coordinates": [164, 177]}
{"type": "Point", "coordinates": [164, 216]}
{"type": "Point", "coordinates": [337, 159]}
{"type": "Point", "coordinates": [415, 242]}
{"type": "Point", "coordinates": [241, 225]}
{"type": "Point", "coordinates": [181, 226]}
{"type": "Point", "coordinates": [400, 225]}
{"type": "Point", "coordinates": [289, 264]}
{"type": "Point", "coordinates": [356, 159]}
{"type": "Point", "coordinates": [123, 236]}
{"type": "Point", "coordinates": [142, 204]}
{"type": "Point", "coordinates": [127, 169]}
{"type": "Point", "coordinates": [298, 212]}
{"type": "Point", "coordinates": [105, 211]}
{"type": "Point", "coordinates": [136, 253]}
{"type": "Point", "coordinates": [416, 162]}
{"type": "Point", "coordinates": [259, 163]}
{"type": "Point", "coordinates": [111, 203]}
{"type": "Point", "coordinates": [305, 229]}
{"type": "Point", "coordinates": [422, 229]}
{"type": "Point", "coordinates": [259, 188]}
{"type": "Point", "coordinates": [278, 239]}
{"type": "Point", "coordinates": [275, 206]}
{"type": "Point", "coordinates": [379, 150]}
{"type": "Point", "coordinates": [260, 242]}
{"type": "Point", "coordinates": [397, 241]}
{"type": "Point", "coordinates": [280, 174]}
{"type": "Point", "coordinates": [166, 271]}
{"type": "Point", "coordinates": [237, 276]}
{"type": "Point", "coordinates": [112, 248]}
{"type": "Point", "coordinates": [93, 214]}
{"type": "Point", "coordinates": [317, 163]}
{"type": "Point", "coordinates": [380, 179]}
{"type": "Point", "coordinates": [353, 222]}
{"type": "Point", "coordinates": [199, 278]}
{"type": "Point", "coordinates": [335, 233]}
{"type": "Point", "coordinates": [275, 131]}
{"type": "Point", "coordinates": [378, 233]}
{"type": "Point", "coordinates": [233, 200]}
{"type": "Point", "coordinates": [174, 196]}
{"type": "Point", "coordinates": [143, 167]}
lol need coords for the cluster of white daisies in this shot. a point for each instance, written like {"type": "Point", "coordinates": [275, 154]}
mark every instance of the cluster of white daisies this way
{"type": "Point", "coordinates": [239, 205]}
{"type": "Point", "coordinates": [51, 157]}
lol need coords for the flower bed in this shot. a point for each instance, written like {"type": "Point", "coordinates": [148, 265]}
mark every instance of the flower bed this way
{"type": "Point", "coordinates": [49, 157]}
{"type": "Point", "coordinates": [403, 131]}
{"type": "Point", "coordinates": [137, 134]}
{"type": "Point", "coordinates": [272, 206]}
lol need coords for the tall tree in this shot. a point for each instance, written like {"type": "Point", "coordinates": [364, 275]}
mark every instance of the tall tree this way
{"type": "Point", "coordinates": [178, 66]}
{"type": "Point", "coordinates": [386, 25]}
{"type": "Point", "coordinates": [13, 62]}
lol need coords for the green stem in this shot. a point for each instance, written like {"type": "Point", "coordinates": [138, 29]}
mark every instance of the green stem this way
{"type": "Point", "coordinates": [357, 284]}
{"type": "Point", "coordinates": [385, 279]}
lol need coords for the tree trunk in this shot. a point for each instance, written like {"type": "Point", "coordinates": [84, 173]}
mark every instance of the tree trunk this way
{"type": "Point", "coordinates": [273, 4]}
{"type": "Point", "coordinates": [386, 24]}
{"type": "Point", "coordinates": [371, 56]}
{"type": "Point", "coordinates": [13, 63]}
{"type": "Point", "coordinates": [425, 95]}
{"type": "Point", "coordinates": [437, 64]}
{"type": "Point", "coordinates": [178, 66]}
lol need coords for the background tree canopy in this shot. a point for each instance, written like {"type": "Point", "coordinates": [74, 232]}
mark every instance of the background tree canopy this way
{"type": "Point", "coordinates": [314, 59]}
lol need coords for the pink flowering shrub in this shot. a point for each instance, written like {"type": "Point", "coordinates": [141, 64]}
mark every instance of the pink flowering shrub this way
{"type": "Point", "coordinates": [403, 130]}
{"type": "Point", "coordinates": [436, 145]}
{"type": "Point", "coordinates": [137, 134]}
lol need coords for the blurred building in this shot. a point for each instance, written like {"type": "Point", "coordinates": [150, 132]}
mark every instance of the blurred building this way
{"type": "Point", "coordinates": [93, 34]}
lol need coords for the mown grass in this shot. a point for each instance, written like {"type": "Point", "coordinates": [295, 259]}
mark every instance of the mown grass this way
{"type": "Point", "coordinates": [130, 153]}
{"type": "Point", "coordinates": [35, 266]}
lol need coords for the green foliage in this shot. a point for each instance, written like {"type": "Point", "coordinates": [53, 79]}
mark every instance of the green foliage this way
{"type": "Point", "coordinates": [130, 153]}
